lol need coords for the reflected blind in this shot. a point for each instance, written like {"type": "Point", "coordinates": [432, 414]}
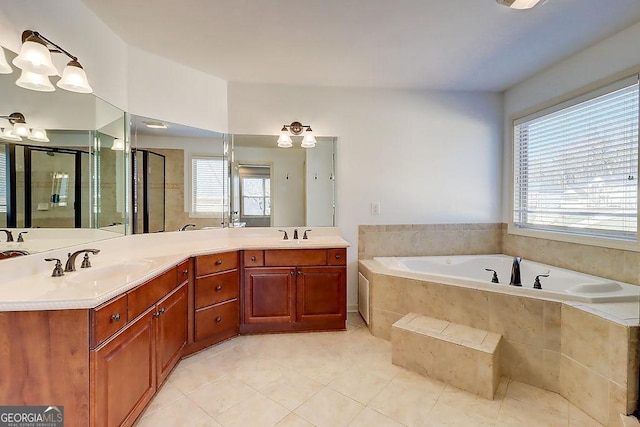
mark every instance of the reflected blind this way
{"type": "Point", "coordinates": [3, 179]}
{"type": "Point", "coordinates": [576, 165]}
{"type": "Point", "coordinates": [209, 185]}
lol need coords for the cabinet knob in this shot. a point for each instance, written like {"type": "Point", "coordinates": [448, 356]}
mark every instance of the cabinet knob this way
{"type": "Point", "coordinates": [299, 273]}
{"type": "Point", "coordinates": [185, 272]}
{"type": "Point", "coordinates": [218, 319]}
{"type": "Point", "coordinates": [161, 311]}
{"type": "Point", "coordinates": [253, 259]}
{"type": "Point", "coordinates": [291, 273]}
{"type": "Point", "coordinates": [337, 256]}
{"type": "Point", "coordinates": [115, 317]}
{"type": "Point", "coordinates": [219, 262]}
{"type": "Point", "coordinates": [156, 314]}
{"type": "Point", "coordinates": [218, 288]}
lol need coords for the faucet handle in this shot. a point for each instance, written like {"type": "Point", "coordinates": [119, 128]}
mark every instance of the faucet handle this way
{"type": "Point", "coordinates": [536, 283]}
{"type": "Point", "coordinates": [57, 270]}
{"type": "Point", "coordinates": [85, 261]}
{"type": "Point", "coordinates": [286, 236]}
{"type": "Point", "coordinates": [304, 236]}
{"type": "Point", "coordinates": [20, 238]}
{"type": "Point", "coordinates": [494, 278]}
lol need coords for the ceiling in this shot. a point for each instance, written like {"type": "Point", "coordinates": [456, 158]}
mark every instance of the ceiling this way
{"type": "Point", "coordinates": [430, 44]}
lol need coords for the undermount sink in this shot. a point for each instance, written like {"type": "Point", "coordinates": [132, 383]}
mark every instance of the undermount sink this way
{"type": "Point", "coordinates": [123, 272]}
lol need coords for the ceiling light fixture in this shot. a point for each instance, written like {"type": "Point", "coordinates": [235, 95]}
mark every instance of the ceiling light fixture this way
{"type": "Point", "coordinates": [520, 4]}
{"type": "Point", "coordinates": [35, 57]}
{"type": "Point", "coordinates": [296, 128]}
{"type": "Point", "coordinates": [155, 125]}
{"type": "Point", "coordinates": [21, 129]}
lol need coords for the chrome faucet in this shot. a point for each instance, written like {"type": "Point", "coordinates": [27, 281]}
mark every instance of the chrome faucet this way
{"type": "Point", "coordinates": [71, 261]}
{"type": "Point", "coordinates": [9, 235]}
{"type": "Point", "coordinates": [184, 227]}
{"type": "Point", "coordinates": [515, 272]}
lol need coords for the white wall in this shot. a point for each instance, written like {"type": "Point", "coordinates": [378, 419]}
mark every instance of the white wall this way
{"type": "Point", "coordinates": [604, 60]}
{"type": "Point", "coordinates": [428, 157]}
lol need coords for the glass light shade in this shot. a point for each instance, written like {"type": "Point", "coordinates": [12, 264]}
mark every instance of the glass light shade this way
{"type": "Point", "coordinates": [35, 57]}
{"type": "Point", "coordinates": [74, 79]}
{"type": "Point", "coordinates": [21, 129]}
{"type": "Point", "coordinates": [39, 135]}
{"type": "Point", "coordinates": [7, 135]}
{"type": "Point", "coordinates": [520, 4]}
{"type": "Point", "coordinates": [309, 140]}
{"type": "Point", "coordinates": [5, 68]}
{"type": "Point", "coordinates": [118, 145]}
{"type": "Point", "coordinates": [284, 141]}
{"type": "Point", "coordinates": [34, 81]}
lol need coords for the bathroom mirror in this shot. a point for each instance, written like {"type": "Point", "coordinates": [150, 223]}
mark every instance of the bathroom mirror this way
{"type": "Point", "coordinates": [75, 181]}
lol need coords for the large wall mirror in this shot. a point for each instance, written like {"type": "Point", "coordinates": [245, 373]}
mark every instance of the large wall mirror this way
{"type": "Point", "coordinates": [65, 184]}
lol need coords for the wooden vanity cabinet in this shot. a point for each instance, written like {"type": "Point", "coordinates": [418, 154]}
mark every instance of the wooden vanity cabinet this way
{"type": "Point", "coordinates": [216, 298]}
{"type": "Point", "coordinates": [294, 290]}
{"type": "Point", "coordinates": [128, 367]}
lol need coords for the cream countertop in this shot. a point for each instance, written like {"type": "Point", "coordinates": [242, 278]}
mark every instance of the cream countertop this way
{"type": "Point", "coordinates": [127, 261]}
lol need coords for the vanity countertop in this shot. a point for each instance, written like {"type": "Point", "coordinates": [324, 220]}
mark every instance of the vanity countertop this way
{"type": "Point", "coordinates": [127, 261]}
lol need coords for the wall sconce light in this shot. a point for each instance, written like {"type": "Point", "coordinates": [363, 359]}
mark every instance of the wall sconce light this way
{"type": "Point", "coordinates": [520, 4]}
{"type": "Point", "coordinates": [35, 62]}
{"type": "Point", "coordinates": [5, 68]}
{"type": "Point", "coordinates": [296, 128]}
{"type": "Point", "coordinates": [21, 129]}
{"type": "Point", "coordinates": [118, 145]}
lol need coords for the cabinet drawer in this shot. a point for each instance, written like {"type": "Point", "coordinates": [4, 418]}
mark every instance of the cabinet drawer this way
{"type": "Point", "coordinates": [145, 295]}
{"type": "Point", "coordinates": [183, 272]}
{"type": "Point", "coordinates": [253, 258]}
{"type": "Point", "coordinates": [337, 257]}
{"type": "Point", "coordinates": [217, 288]}
{"type": "Point", "coordinates": [217, 319]}
{"type": "Point", "coordinates": [107, 319]}
{"type": "Point", "coordinates": [295, 257]}
{"type": "Point", "coordinates": [208, 264]}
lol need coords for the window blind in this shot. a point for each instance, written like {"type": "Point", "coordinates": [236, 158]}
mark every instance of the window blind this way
{"type": "Point", "coordinates": [209, 184]}
{"type": "Point", "coordinates": [576, 165]}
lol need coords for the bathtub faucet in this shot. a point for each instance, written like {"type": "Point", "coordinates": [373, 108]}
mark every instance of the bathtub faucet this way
{"type": "Point", "coordinates": [515, 272]}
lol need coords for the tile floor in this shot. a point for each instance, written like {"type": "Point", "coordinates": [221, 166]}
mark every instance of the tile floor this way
{"type": "Point", "coordinates": [335, 379]}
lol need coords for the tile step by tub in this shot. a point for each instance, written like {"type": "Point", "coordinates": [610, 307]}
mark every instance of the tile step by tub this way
{"type": "Point", "coordinates": [462, 356]}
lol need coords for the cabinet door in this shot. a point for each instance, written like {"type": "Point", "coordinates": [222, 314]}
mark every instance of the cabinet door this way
{"type": "Point", "coordinates": [123, 374]}
{"type": "Point", "coordinates": [269, 295]}
{"type": "Point", "coordinates": [172, 331]}
{"type": "Point", "coordinates": [321, 294]}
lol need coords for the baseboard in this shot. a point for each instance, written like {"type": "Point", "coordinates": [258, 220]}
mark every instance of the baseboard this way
{"type": "Point", "coordinates": [352, 308]}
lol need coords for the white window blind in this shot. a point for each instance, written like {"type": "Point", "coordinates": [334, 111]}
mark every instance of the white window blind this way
{"type": "Point", "coordinates": [209, 185]}
{"type": "Point", "coordinates": [3, 179]}
{"type": "Point", "coordinates": [576, 165]}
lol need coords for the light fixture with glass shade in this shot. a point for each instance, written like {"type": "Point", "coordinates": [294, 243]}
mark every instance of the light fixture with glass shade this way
{"type": "Point", "coordinates": [520, 4]}
{"type": "Point", "coordinates": [39, 135]}
{"type": "Point", "coordinates": [5, 68]}
{"type": "Point", "coordinates": [35, 57]}
{"type": "Point", "coordinates": [118, 145]}
{"type": "Point", "coordinates": [7, 135]}
{"type": "Point", "coordinates": [35, 81]}
{"type": "Point", "coordinates": [296, 128]}
{"type": "Point", "coordinates": [20, 129]}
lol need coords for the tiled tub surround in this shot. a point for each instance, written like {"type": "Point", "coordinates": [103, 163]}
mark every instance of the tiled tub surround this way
{"type": "Point", "coordinates": [587, 356]}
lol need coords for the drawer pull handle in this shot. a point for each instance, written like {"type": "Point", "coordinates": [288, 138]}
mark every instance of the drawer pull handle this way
{"type": "Point", "coordinates": [218, 319]}
{"type": "Point", "coordinates": [253, 259]}
{"type": "Point", "coordinates": [185, 272]}
{"type": "Point", "coordinates": [115, 317]}
{"type": "Point", "coordinates": [219, 262]}
{"type": "Point", "coordinates": [337, 256]}
{"type": "Point", "coordinates": [161, 311]}
{"type": "Point", "coordinates": [218, 288]}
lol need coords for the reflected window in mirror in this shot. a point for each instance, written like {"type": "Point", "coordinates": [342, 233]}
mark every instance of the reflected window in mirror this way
{"type": "Point", "coordinates": [3, 185]}
{"type": "Point", "coordinates": [209, 186]}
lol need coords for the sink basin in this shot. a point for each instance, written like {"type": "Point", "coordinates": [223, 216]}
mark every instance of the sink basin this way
{"type": "Point", "coordinates": [114, 273]}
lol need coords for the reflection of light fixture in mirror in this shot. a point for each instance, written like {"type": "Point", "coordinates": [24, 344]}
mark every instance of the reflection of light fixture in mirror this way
{"type": "Point", "coordinates": [39, 135]}
{"type": "Point", "coordinates": [155, 125]}
{"type": "Point", "coordinates": [296, 128]}
{"type": "Point", "coordinates": [118, 145]}
{"type": "Point", "coordinates": [35, 57]}
{"type": "Point", "coordinates": [520, 4]}
{"type": "Point", "coordinates": [34, 81]}
{"type": "Point", "coordinates": [7, 135]}
{"type": "Point", "coordinates": [5, 68]}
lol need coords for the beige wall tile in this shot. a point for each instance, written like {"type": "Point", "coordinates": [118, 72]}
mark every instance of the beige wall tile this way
{"type": "Point", "coordinates": [468, 307]}
{"type": "Point", "coordinates": [522, 362]}
{"type": "Point", "coordinates": [585, 338]}
{"type": "Point", "coordinates": [619, 353]}
{"type": "Point", "coordinates": [551, 370]}
{"type": "Point", "coordinates": [551, 325]}
{"type": "Point", "coordinates": [618, 404]}
{"type": "Point", "coordinates": [518, 319]}
{"type": "Point", "coordinates": [585, 388]}
{"type": "Point", "coordinates": [381, 321]}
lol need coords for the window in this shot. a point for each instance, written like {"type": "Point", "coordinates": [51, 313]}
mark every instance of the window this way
{"type": "Point", "coordinates": [256, 196]}
{"type": "Point", "coordinates": [576, 165]}
{"type": "Point", "coordinates": [209, 185]}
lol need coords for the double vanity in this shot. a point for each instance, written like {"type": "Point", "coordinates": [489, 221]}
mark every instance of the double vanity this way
{"type": "Point", "coordinates": [101, 341]}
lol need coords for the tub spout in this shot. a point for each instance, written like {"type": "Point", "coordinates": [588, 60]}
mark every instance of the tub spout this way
{"type": "Point", "coordinates": [515, 272]}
